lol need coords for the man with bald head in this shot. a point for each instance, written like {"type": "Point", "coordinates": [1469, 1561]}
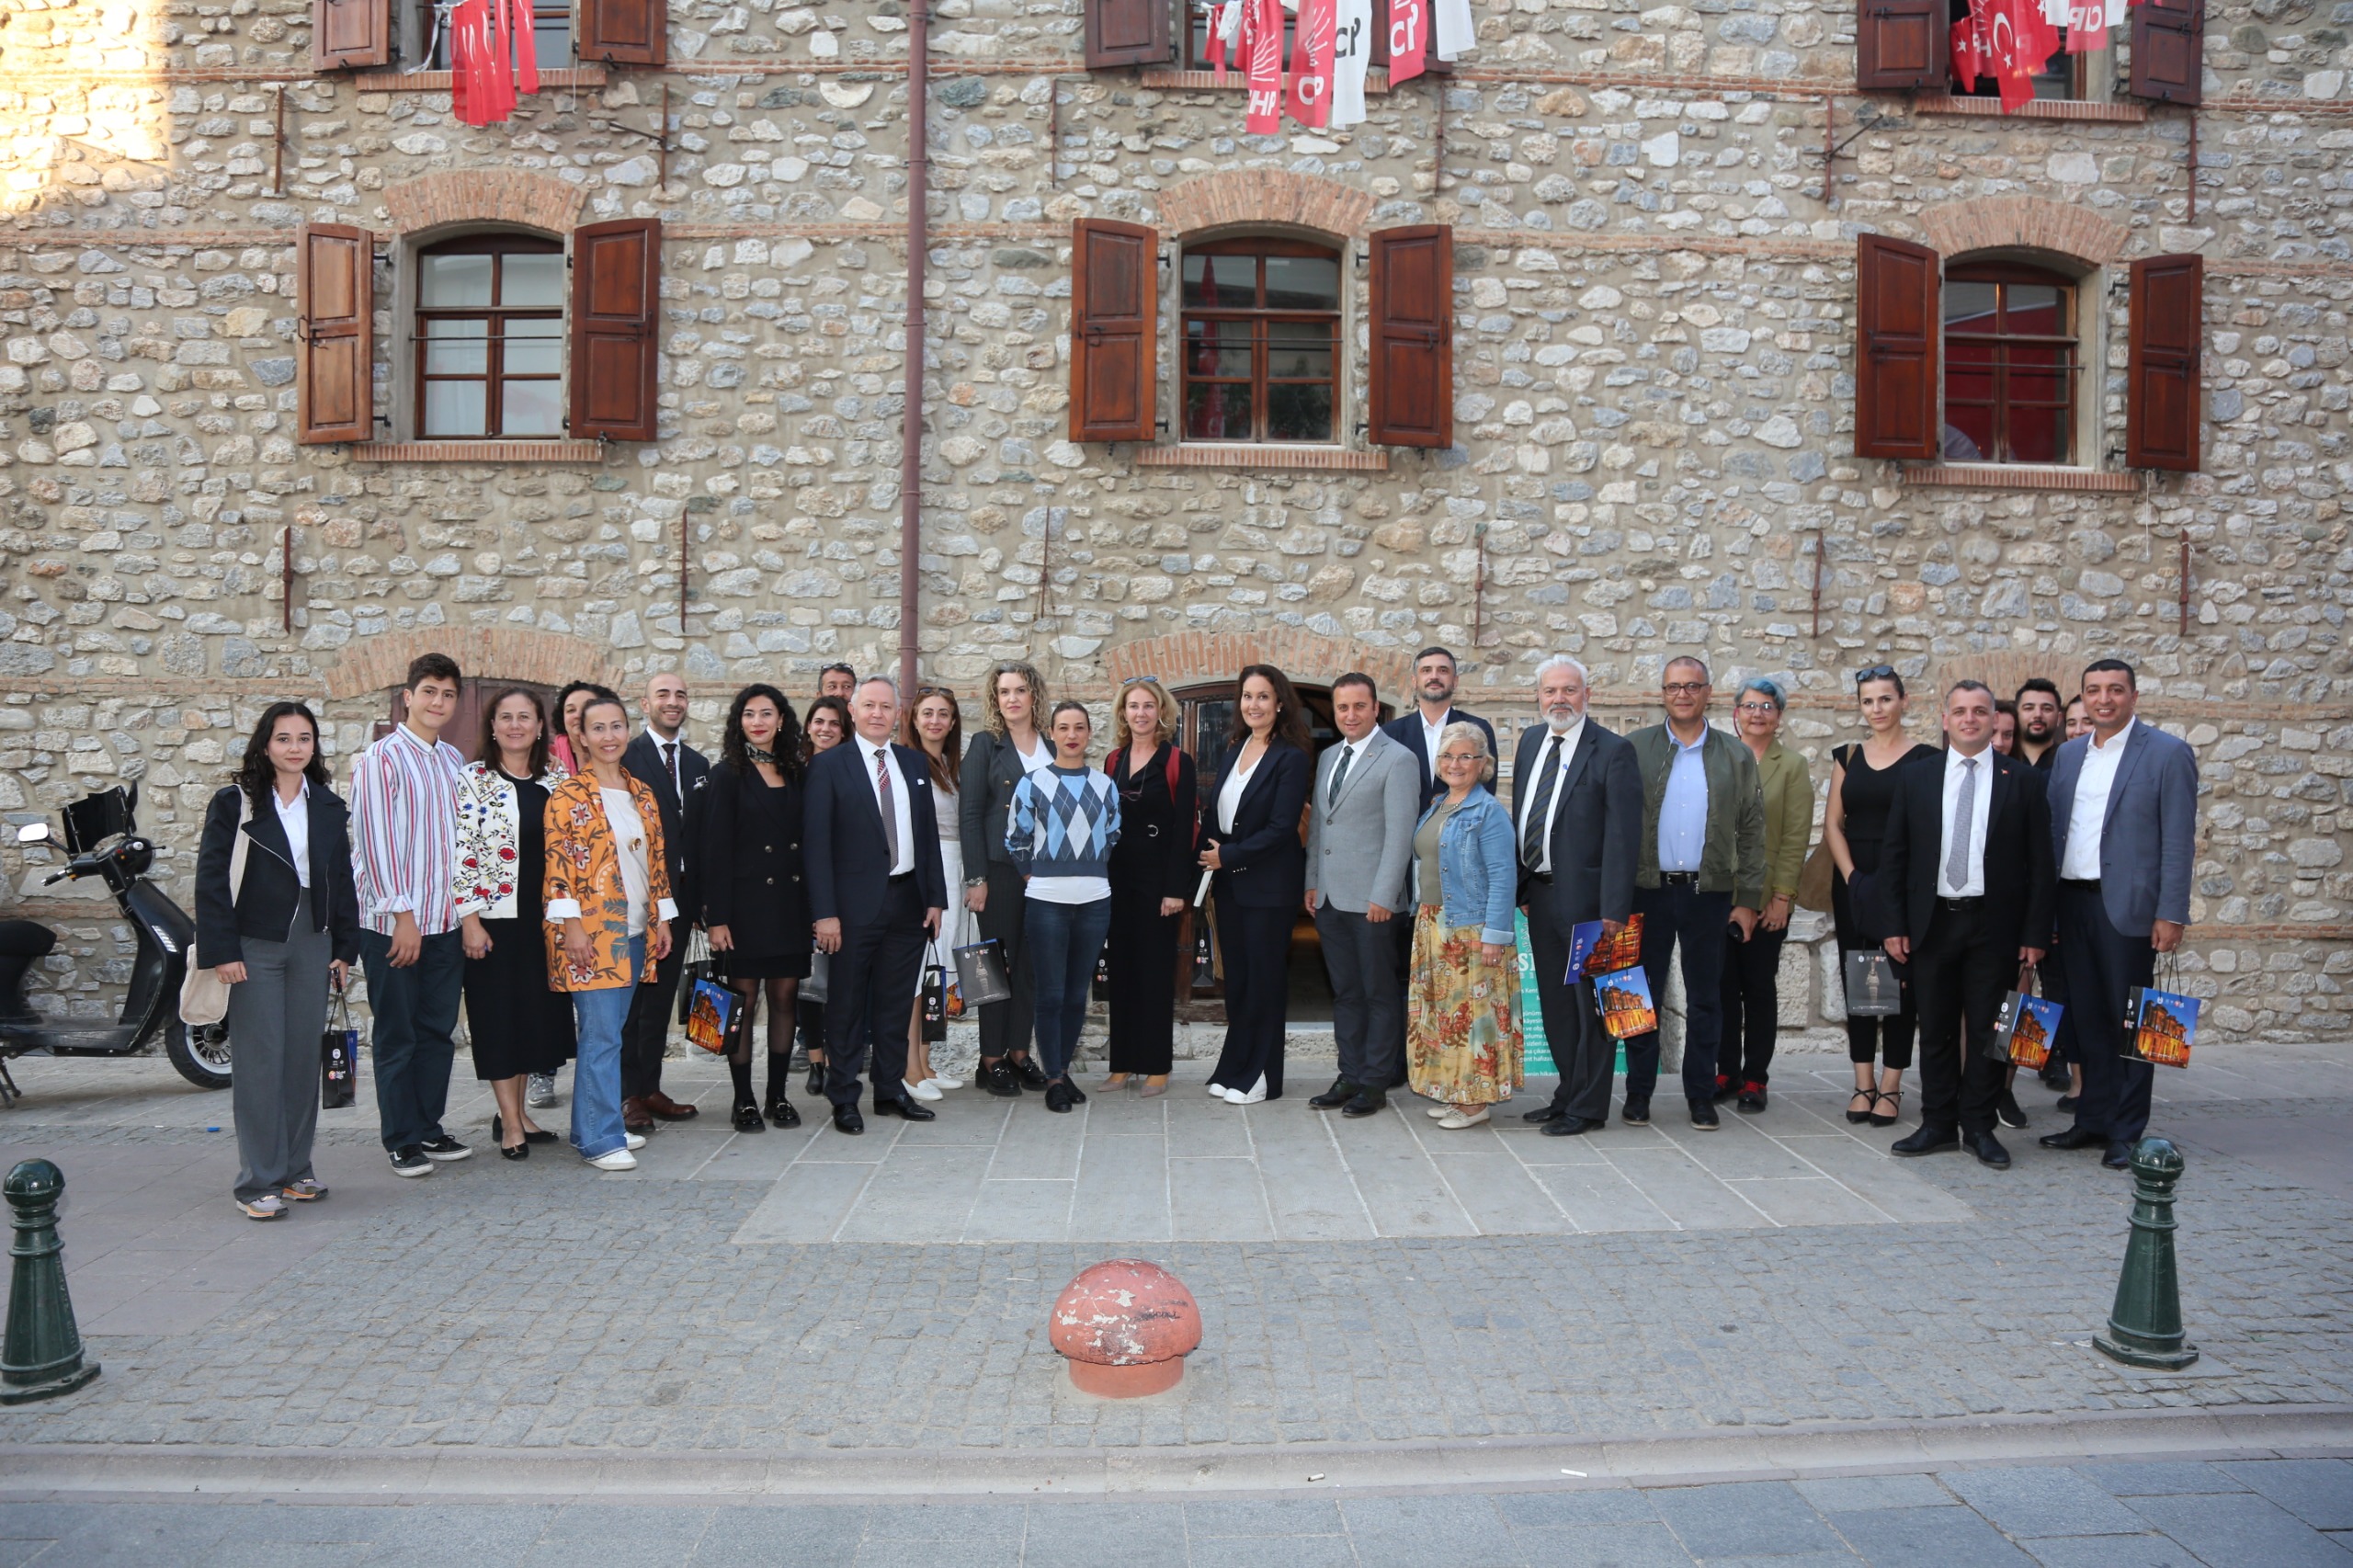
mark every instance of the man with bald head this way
{"type": "Point", "coordinates": [675, 771]}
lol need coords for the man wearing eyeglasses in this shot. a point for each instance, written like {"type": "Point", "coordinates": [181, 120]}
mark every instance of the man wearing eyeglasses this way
{"type": "Point", "coordinates": [1703, 873]}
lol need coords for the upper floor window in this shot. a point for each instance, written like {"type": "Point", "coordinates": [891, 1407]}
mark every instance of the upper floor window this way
{"type": "Point", "coordinates": [551, 37]}
{"type": "Point", "coordinates": [490, 339]}
{"type": "Point", "coordinates": [2011, 364]}
{"type": "Point", "coordinates": [1261, 340]}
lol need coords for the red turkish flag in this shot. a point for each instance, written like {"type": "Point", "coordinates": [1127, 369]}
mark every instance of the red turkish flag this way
{"type": "Point", "coordinates": [1968, 57]}
{"type": "Point", "coordinates": [1262, 56]}
{"type": "Point", "coordinates": [1310, 63]}
{"type": "Point", "coordinates": [2017, 42]}
{"type": "Point", "coordinates": [1409, 39]}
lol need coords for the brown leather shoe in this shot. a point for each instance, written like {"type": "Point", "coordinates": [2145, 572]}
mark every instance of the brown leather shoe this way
{"type": "Point", "coordinates": [635, 1116]}
{"type": "Point", "coordinates": [669, 1110]}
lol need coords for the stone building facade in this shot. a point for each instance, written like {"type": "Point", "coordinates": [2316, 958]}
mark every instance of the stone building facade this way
{"type": "Point", "coordinates": [1654, 360]}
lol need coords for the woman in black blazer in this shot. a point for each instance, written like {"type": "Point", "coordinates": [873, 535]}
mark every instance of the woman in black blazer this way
{"type": "Point", "coordinates": [754, 904]}
{"type": "Point", "coordinates": [1253, 844]}
{"type": "Point", "coordinates": [276, 921]}
{"type": "Point", "coordinates": [1154, 872]}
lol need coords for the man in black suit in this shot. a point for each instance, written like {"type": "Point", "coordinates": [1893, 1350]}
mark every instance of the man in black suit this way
{"type": "Point", "coordinates": [660, 758]}
{"type": "Point", "coordinates": [1968, 854]}
{"type": "Point", "coordinates": [876, 891]}
{"type": "Point", "coordinates": [1419, 729]}
{"type": "Point", "coordinates": [1576, 800]}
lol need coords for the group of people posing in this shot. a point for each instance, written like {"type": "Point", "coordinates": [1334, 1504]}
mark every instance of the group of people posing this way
{"type": "Point", "coordinates": [555, 885]}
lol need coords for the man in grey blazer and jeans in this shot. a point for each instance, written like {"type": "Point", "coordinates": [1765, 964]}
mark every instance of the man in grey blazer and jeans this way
{"type": "Point", "coordinates": [1359, 857]}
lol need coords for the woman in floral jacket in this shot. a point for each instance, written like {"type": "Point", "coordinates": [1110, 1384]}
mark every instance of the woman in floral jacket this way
{"type": "Point", "coordinates": [608, 910]}
{"type": "Point", "coordinates": [519, 1025]}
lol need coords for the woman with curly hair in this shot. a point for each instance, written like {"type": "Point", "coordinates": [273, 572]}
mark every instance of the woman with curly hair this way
{"type": "Point", "coordinates": [754, 904]}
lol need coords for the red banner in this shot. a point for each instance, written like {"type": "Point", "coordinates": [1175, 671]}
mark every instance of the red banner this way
{"type": "Point", "coordinates": [2017, 42]}
{"type": "Point", "coordinates": [1310, 63]}
{"type": "Point", "coordinates": [1409, 39]}
{"type": "Point", "coordinates": [1262, 56]}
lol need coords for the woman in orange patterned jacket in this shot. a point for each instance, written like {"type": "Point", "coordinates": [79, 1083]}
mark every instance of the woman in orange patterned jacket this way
{"type": "Point", "coordinates": [608, 919]}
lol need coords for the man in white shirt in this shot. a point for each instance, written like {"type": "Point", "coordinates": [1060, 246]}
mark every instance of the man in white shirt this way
{"type": "Point", "coordinates": [1435, 678]}
{"type": "Point", "coordinates": [659, 757]}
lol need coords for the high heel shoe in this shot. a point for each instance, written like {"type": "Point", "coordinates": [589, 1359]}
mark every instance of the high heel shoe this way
{"type": "Point", "coordinates": [1893, 1097]}
{"type": "Point", "coordinates": [1857, 1117]}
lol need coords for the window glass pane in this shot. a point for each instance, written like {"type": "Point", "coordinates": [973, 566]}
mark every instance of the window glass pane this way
{"type": "Point", "coordinates": [1299, 413]}
{"type": "Point", "coordinates": [455, 408]}
{"type": "Point", "coordinates": [1229, 282]}
{"type": "Point", "coordinates": [534, 356]}
{"type": "Point", "coordinates": [2037, 434]}
{"type": "Point", "coordinates": [1219, 411]}
{"type": "Point", "coordinates": [1217, 349]}
{"type": "Point", "coordinates": [1299, 348]}
{"type": "Point", "coordinates": [531, 280]}
{"type": "Point", "coordinates": [531, 408]}
{"type": "Point", "coordinates": [1302, 283]}
{"type": "Point", "coordinates": [459, 280]}
{"type": "Point", "coordinates": [1969, 434]}
{"type": "Point", "coordinates": [456, 348]}
{"type": "Point", "coordinates": [2033, 310]}
{"type": "Point", "coordinates": [552, 32]}
{"type": "Point", "coordinates": [1969, 307]}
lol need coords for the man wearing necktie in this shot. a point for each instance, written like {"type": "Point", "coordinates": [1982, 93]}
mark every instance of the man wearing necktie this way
{"type": "Point", "coordinates": [1969, 861]}
{"type": "Point", "coordinates": [660, 758]}
{"type": "Point", "coordinates": [1359, 852]}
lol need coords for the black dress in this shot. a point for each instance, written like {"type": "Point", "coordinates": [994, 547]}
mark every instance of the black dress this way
{"type": "Point", "coordinates": [516, 1024]}
{"type": "Point", "coordinates": [752, 874]}
{"type": "Point", "coordinates": [1154, 858]}
{"type": "Point", "coordinates": [1867, 795]}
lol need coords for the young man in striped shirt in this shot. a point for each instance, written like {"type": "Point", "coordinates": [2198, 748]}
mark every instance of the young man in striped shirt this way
{"type": "Point", "coordinates": [403, 845]}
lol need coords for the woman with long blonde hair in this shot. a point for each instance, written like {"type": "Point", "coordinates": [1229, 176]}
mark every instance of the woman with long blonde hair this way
{"type": "Point", "coordinates": [1008, 750]}
{"type": "Point", "coordinates": [1153, 876]}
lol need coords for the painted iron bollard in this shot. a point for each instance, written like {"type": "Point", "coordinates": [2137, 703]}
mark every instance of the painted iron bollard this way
{"type": "Point", "coordinates": [43, 1358]}
{"type": "Point", "coordinates": [2144, 1326]}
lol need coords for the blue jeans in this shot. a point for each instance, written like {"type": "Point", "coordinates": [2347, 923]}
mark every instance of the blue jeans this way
{"type": "Point", "coordinates": [413, 1043]}
{"type": "Point", "coordinates": [598, 1018]}
{"type": "Point", "coordinates": [1065, 940]}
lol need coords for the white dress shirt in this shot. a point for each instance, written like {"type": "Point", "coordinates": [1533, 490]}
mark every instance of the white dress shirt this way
{"type": "Point", "coordinates": [901, 814]}
{"type": "Point", "coordinates": [2087, 819]}
{"type": "Point", "coordinates": [295, 822]}
{"type": "Point", "coordinates": [668, 752]}
{"type": "Point", "coordinates": [1980, 812]}
{"type": "Point", "coordinates": [1569, 739]}
{"type": "Point", "coordinates": [1230, 798]}
{"type": "Point", "coordinates": [1431, 732]}
{"type": "Point", "coordinates": [630, 849]}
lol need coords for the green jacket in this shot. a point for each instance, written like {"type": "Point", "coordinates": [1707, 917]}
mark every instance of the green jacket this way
{"type": "Point", "coordinates": [1789, 817]}
{"type": "Point", "coordinates": [1734, 860]}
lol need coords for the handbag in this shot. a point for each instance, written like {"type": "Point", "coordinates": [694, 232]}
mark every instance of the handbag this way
{"type": "Point", "coordinates": [934, 997]}
{"type": "Point", "coordinates": [1814, 880]}
{"type": "Point", "coordinates": [2160, 1023]}
{"type": "Point", "coordinates": [204, 996]}
{"type": "Point", "coordinates": [980, 969]}
{"type": "Point", "coordinates": [338, 1056]}
{"type": "Point", "coordinates": [714, 1012]}
{"type": "Point", "coordinates": [1873, 989]}
{"type": "Point", "coordinates": [2025, 1027]}
{"type": "Point", "coordinates": [700, 964]}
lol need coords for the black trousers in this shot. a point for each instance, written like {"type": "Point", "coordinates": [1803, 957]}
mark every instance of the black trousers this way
{"type": "Point", "coordinates": [1886, 1039]}
{"type": "Point", "coordinates": [1752, 1005]}
{"type": "Point", "coordinates": [2102, 964]}
{"type": "Point", "coordinates": [1005, 1026]}
{"type": "Point", "coordinates": [646, 1032]}
{"type": "Point", "coordinates": [1143, 982]}
{"type": "Point", "coordinates": [1254, 945]}
{"type": "Point", "coordinates": [1960, 973]}
{"type": "Point", "coordinates": [868, 989]}
{"type": "Point", "coordinates": [1583, 1052]}
{"type": "Point", "coordinates": [1681, 915]}
{"type": "Point", "coordinates": [1368, 994]}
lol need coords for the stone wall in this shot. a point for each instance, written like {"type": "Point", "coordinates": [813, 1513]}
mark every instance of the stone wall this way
{"type": "Point", "coordinates": [1654, 342]}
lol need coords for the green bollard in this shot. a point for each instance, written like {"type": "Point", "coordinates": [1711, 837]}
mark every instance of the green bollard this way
{"type": "Point", "coordinates": [2144, 1326]}
{"type": "Point", "coordinates": [42, 1356]}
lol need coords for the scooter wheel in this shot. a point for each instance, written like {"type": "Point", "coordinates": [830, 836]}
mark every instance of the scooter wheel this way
{"type": "Point", "coordinates": [199, 1053]}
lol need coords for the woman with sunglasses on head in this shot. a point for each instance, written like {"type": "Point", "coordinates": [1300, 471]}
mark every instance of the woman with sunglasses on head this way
{"type": "Point", "coordinates": [934, 726]}
{"type": "Point", "coordinates": [1006, 751]}
{"type": "Point", "coordinates": [827, 726]}
{"type": "Point", "coordinates": [1252, 846]}
{"type": "Point", "coordinates": [1862, 791]}
{"type": "Point", "coordinates": [1154, 873]}
{"type": "Point", "coordinates": [754, 905]}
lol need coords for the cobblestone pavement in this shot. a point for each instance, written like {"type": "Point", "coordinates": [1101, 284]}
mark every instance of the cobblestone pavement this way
{"type": "Point", "coordinates": [544, 1306]}
{"type": "Point", "coordinates": [2264, 1514]}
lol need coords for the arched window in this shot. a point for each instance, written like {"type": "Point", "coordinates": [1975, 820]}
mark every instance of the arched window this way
{"type": "Point", "coordinates": [490, 339]}
{"type": "Point", "coordinates": [2011, 361]}
{"type": "Point", "coordinates": [1261, 340]}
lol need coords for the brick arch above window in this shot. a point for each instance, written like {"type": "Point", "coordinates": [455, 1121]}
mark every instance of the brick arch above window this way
{"type": "Point", "coordinates": [1266, 196]}
{"type": "Point", "coordinates": [545, 658]}
{"type": "Point", "coordinates": [2023, 222]}
{"type": "Point", "coordinates": [483, 196]}
{"type": "Point", "coordinates": [1192, 658]}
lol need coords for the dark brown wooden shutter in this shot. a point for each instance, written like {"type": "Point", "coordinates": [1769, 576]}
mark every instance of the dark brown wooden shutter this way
{"type": "Point", "coordinates": [1898, 335]}
{"type": "Point", "coordinates": [1127, 32]}
{"type": "Point", "coordinates": [2168, 47]}
{"type": "Point", "coordinates": [1411, 332]}
{"type": "Point", "coordinates": [335, 334]}
{"type": "Point", "coordinates": [2162, 417]}
{"type": "Point", "coordinates": [1901, 43]}
{"type": "Point", "coordinates": [1114, 308]}
{"type": "Point", "coordinates": [624, 32]}
{"type": "Point", "coordinates": [350, 32]}
{"type": "Point", "coordinates": [616, 314]}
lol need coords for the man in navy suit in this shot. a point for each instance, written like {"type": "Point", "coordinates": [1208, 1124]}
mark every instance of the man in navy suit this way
{"type": "Point", "coordinates": [877, 891]}
{"type": "Point", "coordinates": [660, 758]}
{"type": "Point", "coordinates": [1418, 729]}
{"type": "Point", "coordinates": [2124, 833]}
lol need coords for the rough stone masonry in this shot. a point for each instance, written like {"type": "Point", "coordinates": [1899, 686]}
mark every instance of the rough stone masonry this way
{"type": "Point", "coordinates": [1654, 363]}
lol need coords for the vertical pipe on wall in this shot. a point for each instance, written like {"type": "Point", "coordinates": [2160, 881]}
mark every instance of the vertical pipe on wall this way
{"type": "Point", "coordinates": [918, 245]}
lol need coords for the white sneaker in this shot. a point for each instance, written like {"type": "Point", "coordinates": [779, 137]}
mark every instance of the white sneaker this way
{"type": "Point", "coordinates": [636, 1140]}
{"type": "Point", "coordinates": [1255, 1093]}
{"type": "Point", "coordinates": [1454, 1118]}
{"type": "Point", "coordinates": [1218, 1091]}
{"type": "Point", "coordinates": [923, 1091]}
{"type": "Point", "coordinates": [939, 1081]}
{"type": "Point", "coordinates": [619, 1160]}
{"type": "Point", "coordinates": [1438, 1112]}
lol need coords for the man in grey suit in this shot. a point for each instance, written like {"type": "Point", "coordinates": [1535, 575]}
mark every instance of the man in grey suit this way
{"type": "Point", "coordinates": [2124, 830]}
{"type": "Point", "coordinates": [1359, 856]}
{"type": "Point", "coordinates": [1576, 798]}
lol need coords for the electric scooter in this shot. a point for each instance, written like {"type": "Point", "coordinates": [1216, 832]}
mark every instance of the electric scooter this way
{"type": "Point", "coordinates": [102, 839]}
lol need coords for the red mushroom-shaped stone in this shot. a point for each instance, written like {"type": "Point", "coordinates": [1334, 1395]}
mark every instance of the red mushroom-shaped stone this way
{"type": "Point", "coordinates": [1125, 1326]}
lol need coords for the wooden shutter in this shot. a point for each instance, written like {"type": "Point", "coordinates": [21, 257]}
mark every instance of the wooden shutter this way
{"type": "Point", "coordinates": [1113, 310]}
{"type": "Point", "coordinates": [1412, 335]}
{"type": "Point", "coordinates": [2168, 46]}
{"type": "Point", "coordinates": [350, 32]}
{"type": "Point", "coordinates": [1901, 43]}
{"type": "Point", "coordinates": [1898, 335]}
{"type": "Point", "coordinates": [2162, 417]}
{"type": "Point", "coordinates": [624, 32]}
{"type": "Point", "coordinates": [1127, 32]}
{"type": "Point", "coordinates": [616, 311]}
{"type": "Point", "coordinates": [335, 334]}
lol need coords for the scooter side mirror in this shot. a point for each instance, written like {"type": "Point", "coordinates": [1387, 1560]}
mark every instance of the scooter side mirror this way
{"type": "Point", "coordinates": [33, 833]}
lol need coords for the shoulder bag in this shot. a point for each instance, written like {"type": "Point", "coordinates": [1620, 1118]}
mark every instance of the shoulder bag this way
{"type": "Point", "coordinates": [204, 996]}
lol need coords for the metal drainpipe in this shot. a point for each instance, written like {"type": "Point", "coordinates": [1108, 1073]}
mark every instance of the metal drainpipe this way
{"type": "Point", "coordinates": [918, 245]}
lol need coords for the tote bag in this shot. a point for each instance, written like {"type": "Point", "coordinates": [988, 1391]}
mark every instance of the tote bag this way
{"type": "Point", "coordinates": [980, 971]}
{"type": "Point", "coordinates": [204, 996]}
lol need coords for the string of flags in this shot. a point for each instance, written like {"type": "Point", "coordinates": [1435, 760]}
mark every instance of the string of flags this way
{"type": "Point", "coordinates": [1331, 48]}
{"type": "Point", "coordinates": [2012, 41]}
{"type": "Point", "coordinates": [491, 54]}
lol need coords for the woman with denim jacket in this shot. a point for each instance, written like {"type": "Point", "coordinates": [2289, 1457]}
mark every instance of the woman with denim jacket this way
{"type": "Point", "coordinates": [1462, 1043]}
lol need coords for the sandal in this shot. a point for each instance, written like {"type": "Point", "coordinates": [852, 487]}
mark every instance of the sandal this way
{"type": "Point", "coordinates": [1891, 1097]}
{"type": "Point", "coordinates": [1859, 1117]}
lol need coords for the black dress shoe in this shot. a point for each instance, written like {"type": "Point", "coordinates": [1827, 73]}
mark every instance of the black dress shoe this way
{"type": "Point", "coordinates": [1988, 1149]}
{"type": "Point", "coordinates": [846, 1119]}
{"type": "Point", "coordinates": [2007, 1111]}
{"type": "Point", "coordinates": [1570, 1126]}
{"type": "Point", "coordinates": [1339, 1094]}
{"type": "Point", "coordinates": [2067, 1102]}
{"type": "Point", "coordinates": [1029, 1075]}
{"type": "Point", "coordinates": [1058, 1098]}
{"type": "Point", "coordinates": [2072, 1138]}
{"type": "Point", "coordinates": [816, 1080]}
{"type": "Point", "coordinates": [997, 1078]}
{"type": "Point", "coordinates": [2119, 1158]}
{"type": "Point", "coordinates": [2054, 1076]}
{"type": "Point", "coordinates": [1927, 1139]}
{"type": "Point", "coordinates": [901, 1105]}
{"type": "Point", "coordinates": [1077, 1095]}
{"type": "Point", "coordinates": [1636, 1114]}
{"type": "Point", "coordinates": [1703, 1116]}
{"type": "Point", "coordinates": [780, 1111]}
{"type": "Point", "coordinates": [1366, 1102]}
{"type": "Point", "coordinates": [1542, 1114]}
{"type": "Point", "coordinates": [746, 1118]}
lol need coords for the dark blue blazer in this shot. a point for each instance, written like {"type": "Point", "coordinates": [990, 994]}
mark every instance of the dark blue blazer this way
{"type": "Point", "coordinates": [1265, 860]}
{"type": "Point", "coordinates": [847, 859]}
{"type": "Point", "coordinates": [1406, 731]}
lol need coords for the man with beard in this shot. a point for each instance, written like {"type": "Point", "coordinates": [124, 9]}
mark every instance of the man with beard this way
{"type": "Point", "coordinates": [2042, 721]}
{"type": "Point", "coordinates": [1417, 731]}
